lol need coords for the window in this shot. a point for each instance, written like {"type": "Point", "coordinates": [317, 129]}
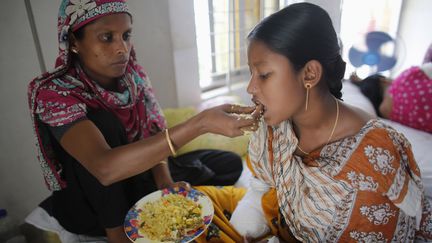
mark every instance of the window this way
{"type": "Point", "coordinates": [221, 29]}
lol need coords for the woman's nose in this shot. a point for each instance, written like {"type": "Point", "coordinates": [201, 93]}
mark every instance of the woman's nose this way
{"type": "Point", "coordinates": [122, 47]}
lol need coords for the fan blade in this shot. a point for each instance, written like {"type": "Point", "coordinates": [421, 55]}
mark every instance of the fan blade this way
{"type": "Point", "coordinates": [375, 39]}
{"type": "Point", "coordinates": [356, 57]}
{"type": "Point", "coordinates": [386, 63]}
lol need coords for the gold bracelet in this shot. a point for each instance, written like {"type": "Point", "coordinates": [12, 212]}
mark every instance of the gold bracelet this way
{"type": "Point", "coordinates": [163, 162]}
{"type": "Point", "coordinates": [168, 139]}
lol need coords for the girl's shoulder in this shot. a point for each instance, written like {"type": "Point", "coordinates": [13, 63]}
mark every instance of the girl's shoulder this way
{"type": "Point", "coordinates": [351, 121]}
{"type": "Point", "coordinates": [377, 133]}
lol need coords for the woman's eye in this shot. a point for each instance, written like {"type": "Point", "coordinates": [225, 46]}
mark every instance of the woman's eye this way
{"type": "Point", "coordinates": [127, 36]}
{"type": "Point", "coordinates": [107, 37]}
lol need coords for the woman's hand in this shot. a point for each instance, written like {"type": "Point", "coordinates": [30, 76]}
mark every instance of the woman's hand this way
{"type": "Point", "coordinates": [182, 184]}
{"type": "Point", "coordinates": [230, 120]}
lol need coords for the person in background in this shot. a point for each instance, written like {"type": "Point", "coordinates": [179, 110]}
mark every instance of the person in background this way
{"type": "Point", "coordinates": [407, 99]}
{"type": "Point", "coordinates": [372, 87]}
{"type": "Point", "coordinates": [331, 172]}
{"type": "Point", "coordinates": [428, 55]}
{"type": "Point", "coordinates": [101, 136]}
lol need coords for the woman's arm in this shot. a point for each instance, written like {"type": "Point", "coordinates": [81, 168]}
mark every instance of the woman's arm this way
{"type": "Point", "coordinates": [85, 143]}
{"type": "Point", "coordinates": [162, 175]}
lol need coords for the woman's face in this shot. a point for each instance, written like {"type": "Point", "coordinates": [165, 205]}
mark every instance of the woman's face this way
{"type": "Point", "coordinates": [105, 48]}
{"type": "Point", "coordinates": [274, 83]}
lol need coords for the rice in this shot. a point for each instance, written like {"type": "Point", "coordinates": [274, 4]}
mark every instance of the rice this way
{"type": "Point", "coordinates": [244, 116]}
{"type": "Point", "coordinates": [170, 218]}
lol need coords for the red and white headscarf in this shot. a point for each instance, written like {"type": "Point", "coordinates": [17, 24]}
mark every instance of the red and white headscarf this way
{"type": "Point", "coordinates": [64, 95]}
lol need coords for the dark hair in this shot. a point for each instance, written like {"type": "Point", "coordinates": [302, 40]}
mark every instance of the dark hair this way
{"type": "Point", "coordinates": [79, 33]}
{"type": "Point", "coordinates": [371, 87]}
{"type": "Point", "coordinates": [304, 32]}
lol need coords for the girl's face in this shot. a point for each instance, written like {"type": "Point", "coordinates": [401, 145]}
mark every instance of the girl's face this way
{"type": "Point", "coordinates": [274, 83]}
{"type": "Point", "coordinates": [105, 48]}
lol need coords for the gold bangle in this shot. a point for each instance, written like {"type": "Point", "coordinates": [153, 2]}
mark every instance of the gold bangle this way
{"type": "Point", "coordinates": [163, 162]}
{"type": "Point", "coordinates": [168, 139]}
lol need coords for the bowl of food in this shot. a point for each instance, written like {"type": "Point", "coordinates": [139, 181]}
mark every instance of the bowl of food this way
{"type": "Point", "coordinates": [169, 215]}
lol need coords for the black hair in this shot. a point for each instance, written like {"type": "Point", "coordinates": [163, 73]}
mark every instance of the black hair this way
{"type": "Point", "coordinates": [371, 87]}
{"type": "Point", "coordinates": [303, 32]}
{"type": "Point", "coordinates": [79, 33]}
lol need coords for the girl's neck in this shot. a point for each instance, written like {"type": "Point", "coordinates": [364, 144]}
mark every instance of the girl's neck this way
{"type": "Point", "coordinates": [318, 119]}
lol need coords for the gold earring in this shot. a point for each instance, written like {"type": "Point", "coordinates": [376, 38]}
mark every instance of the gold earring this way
{"type": "Point", "coordinates": [308, 87]}
{"type": "Point", "coordinates": [74, 50]}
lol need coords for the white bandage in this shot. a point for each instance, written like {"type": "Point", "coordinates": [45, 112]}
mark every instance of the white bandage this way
{"type": "Point", "coordinates": [248, 217]}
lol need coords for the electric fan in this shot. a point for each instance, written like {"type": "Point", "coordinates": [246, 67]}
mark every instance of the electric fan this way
{"type": "Point", "coordinates": [374, 55]}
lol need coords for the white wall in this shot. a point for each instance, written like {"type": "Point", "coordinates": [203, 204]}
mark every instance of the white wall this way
{"type": "Point", "coordinates": [333, 8]}
{"type": "Point", "coordinates": [152, 40]}
{"type": "Point", "coordinates": [415, 32]}
{"type": "Point", "coordinates": [185, 52]}
{"type": "Point", "coordinates": [21, 182]}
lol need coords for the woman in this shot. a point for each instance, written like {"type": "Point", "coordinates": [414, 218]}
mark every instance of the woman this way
{"type": "Point", "coordinates": [101, 136]}
{"type": "Point", "coordinates": [428, 55]}
{"type": "Point", "coordinates": [335, 174]}
{"type": "Point", "coordinates": [372, 87]}
{"type": "Point", "coordinates": [406, 100]}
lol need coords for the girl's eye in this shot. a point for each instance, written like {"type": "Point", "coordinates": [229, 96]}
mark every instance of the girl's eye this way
{"type": "Point", "coordinates": [264, 76]}
{"type": "Point", "coordinates": [127, 36]}
{"type": "Point", "coordinates": [107, 37]}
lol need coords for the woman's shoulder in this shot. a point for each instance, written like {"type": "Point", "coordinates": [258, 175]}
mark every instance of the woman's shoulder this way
{"type": "Point", "coordinates": [57, 77]}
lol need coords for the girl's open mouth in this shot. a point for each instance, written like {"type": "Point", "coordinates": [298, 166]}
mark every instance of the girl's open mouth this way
{"type": "Point", "coordinates": [259, 110]}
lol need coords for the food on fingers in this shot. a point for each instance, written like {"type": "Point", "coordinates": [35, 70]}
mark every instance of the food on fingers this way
{"type": "Point", "coordinates": [255, 114]}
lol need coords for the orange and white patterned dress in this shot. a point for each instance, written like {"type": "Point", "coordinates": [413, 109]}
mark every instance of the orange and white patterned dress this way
{"type": "Point", "coordinates": [362, 188]}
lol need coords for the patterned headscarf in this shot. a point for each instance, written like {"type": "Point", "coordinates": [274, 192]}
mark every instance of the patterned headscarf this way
{"type": "Point", "coordinates": [412, 99]}
{"type": "Point", "coordinates": [65, 94]}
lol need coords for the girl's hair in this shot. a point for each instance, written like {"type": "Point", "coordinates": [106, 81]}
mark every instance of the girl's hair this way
{"type": "Point", "coordinates": [303, 32]}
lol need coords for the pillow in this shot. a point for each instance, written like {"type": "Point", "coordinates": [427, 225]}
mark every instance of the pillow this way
{"type": "Point", "coordinates": [237, 145]}
{"type": "Point", "coordinates": [352, 95]}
